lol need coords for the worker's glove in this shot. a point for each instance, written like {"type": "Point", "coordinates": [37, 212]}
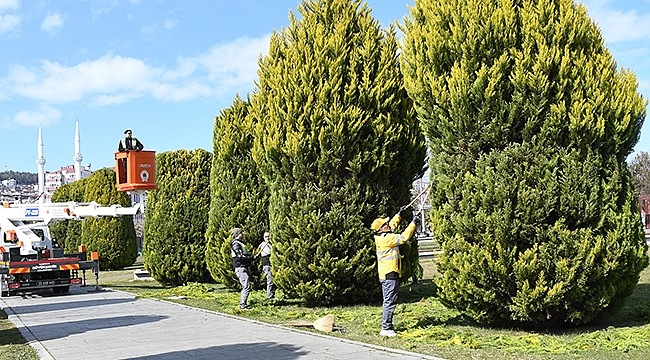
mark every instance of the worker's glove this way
{"type": "Point", "coordinates": [416, 219]}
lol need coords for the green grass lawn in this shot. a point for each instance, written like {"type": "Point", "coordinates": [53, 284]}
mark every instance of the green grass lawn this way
{"type": "Point", "coordinates": [12, 345]}
{"type": "Point", "coordinates": [423, 323]}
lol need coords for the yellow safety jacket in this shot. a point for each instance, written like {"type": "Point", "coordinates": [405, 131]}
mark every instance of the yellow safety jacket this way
{"type": "Point", "coordinates": [388, 259]}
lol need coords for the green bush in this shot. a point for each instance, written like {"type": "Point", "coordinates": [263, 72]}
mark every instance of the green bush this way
{"type": "Point", "coordinates": [338, 145]}
{"type": "Point", "coordinates": [239, 197]}
{"type": "Point", "coordinates": [113, 238]}
{"type": "Point", "coordinates": [176, 218]}
{"type": "Point", "coordinates": [68, 232]}
{"type": "Point", "coordinates": [529, 124]}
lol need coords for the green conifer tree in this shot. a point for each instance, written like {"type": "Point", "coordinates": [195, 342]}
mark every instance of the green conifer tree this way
{"type": "Point", "coordinates": [338, 145]}
{"type": "Point", "coordinates": [176, 218]}
{"type": "Point", "coordinates": [68, 232]}
{"type": "Point", "coordinates": [239, 197]}
{"type": "Point", "coordinates": [112, 238]}
{"type": "Point", "coordinates": [529, 122]}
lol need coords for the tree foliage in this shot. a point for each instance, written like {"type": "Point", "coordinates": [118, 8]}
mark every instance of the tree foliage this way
{"type": "Point", "coordinates": [21, 177]}
{"type": "Point", "coordinates": [113, 238]}
{"type": "Point", "coordinates": [176, 218]}
{"type": "Point", "coordinates": [529, 123]}
{"type": "Point", "coordinates": [239, 197]}
{"type": "Point", "coordinates": [640, 170]}
{"type": "Point", "coordinates": [68, 232]}
{"type": "Point", "coordinates": [338, 145]}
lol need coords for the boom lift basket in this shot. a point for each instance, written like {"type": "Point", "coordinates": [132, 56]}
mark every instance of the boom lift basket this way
{"type": "Point", "coordinates": [135, 170]}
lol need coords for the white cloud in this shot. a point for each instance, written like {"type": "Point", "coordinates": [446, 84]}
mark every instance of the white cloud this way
{"type": "Point", "coordinates": [52, 22]}
{"type": "Point", "coordinates": [9, 4]}
{"type": "Point", "coordinates": [114, 79]}
{"type": "Point", "coordinates": [182, 92]}
{"type": "Point", "coordinates": [99, 8]}
{"type": "Point", "coordinates": [232, 64]}
{"type": "Point", "coordinates": [619, 25]}
{"type": "Point", "coordinates": [170, 24]}
{"type": "Point", "coordinates": [107, 100]}
{"type": "Point", "coordinates": [9, 22]}
{"type": "Point", "coordinates": [43, 115]}
{"type": "Point", "coordinates": [53, 82]}
{"type": "Point", "coordinates": [148, 29]}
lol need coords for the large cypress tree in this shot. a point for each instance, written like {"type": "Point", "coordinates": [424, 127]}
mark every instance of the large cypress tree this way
{"type": "Point", "coordinates": [176, 218]}
{"type": "Point", "coordinates": [338, 146]}
{"type": "Point", "coordinates": [529, 123]}
{"type": "Point", "coordinates": [113, 238]}
{"type": "Point", "coordinates": [239, 197]}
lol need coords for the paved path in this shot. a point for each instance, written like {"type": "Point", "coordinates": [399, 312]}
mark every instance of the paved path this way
{"type": "Point", "coordinates": [108, 324]}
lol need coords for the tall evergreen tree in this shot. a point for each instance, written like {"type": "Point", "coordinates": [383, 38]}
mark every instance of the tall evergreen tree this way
{"type": "Point", "coordinates": [113, 238]}
{"type": "Point", "coordinates": [529, 123]}
{"type": "Point", "coordinates": [68, 232]}
{"type": "Point", "coordinates": [239, 197]}
{"type": "Point", "coordinates": [338, 145]}
{"type": "Point", "coordinates": [176, 218]}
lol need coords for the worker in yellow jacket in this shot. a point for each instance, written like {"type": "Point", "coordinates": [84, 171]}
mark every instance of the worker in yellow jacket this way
{"type": "Point", "coordinates": [388, 264]}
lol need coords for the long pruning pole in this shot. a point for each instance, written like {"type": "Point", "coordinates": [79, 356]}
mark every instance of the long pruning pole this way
{"type": "Point", "coordinates": [426, 189]}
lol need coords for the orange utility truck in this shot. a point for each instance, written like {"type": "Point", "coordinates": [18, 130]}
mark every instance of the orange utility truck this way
{"type": "Point", "coordinates": [30, 259]}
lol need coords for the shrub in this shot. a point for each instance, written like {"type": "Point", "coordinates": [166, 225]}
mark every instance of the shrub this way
{"type": "Point", "coordinates": [239, 197]}
{"type": "Point", "coordinates": [338, 146]}
{"type": "Point", "coordinates": [113, 238]}
{"type": "Point", "coordinates": [176, 218]}
{"type": "Point", "coordinates": [529, 125]}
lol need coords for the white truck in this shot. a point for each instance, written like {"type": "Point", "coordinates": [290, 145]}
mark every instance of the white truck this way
{"type": "Point", "coordinates": [30, 259]}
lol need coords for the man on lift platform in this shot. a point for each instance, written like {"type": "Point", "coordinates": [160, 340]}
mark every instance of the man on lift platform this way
{"type": "Point", "coordinates": [129, 142]}
{"type": "Point", "coordinates": [135, 168]}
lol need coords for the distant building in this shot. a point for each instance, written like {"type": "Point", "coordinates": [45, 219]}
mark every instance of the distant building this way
{"type": "Point", "coordinates": [11, 191]}
{"type": "Point", "coordinates": [9, 184]}
{"type": "Point", "coordinates": [65, 175]}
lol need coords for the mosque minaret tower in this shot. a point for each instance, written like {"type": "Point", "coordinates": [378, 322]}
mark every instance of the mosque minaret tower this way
{"type": "Point", "coordinates": [77, 153]}
{"type": "Point", "coordinates": [41, 167]}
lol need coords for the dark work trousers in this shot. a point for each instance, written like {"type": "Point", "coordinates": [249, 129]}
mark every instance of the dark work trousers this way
{"type": "Point", "coordinates": [390, 290]}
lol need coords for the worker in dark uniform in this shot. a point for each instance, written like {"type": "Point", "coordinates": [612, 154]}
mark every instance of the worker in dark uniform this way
{"type": "Point", "coordinates": [388, 264]}
{"type": "Point", "coordinates": [129, 143]}
{"type": "Point", "coordinates": [241, 261]}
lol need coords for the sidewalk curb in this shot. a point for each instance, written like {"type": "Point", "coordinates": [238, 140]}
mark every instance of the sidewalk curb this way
{"type": "Point", "coordinates": [43, 354]}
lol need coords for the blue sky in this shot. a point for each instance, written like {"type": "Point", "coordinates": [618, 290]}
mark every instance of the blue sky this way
{"type": "Point", "coordinates": [166, 68]}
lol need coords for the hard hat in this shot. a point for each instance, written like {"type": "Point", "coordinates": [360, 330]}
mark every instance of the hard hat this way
{"type": "Point", "coordinates": [235, 232]}
{"type": "Point", "coordinates": [127, 130]}
{"type": "Point", "coordinates": [378, 223]}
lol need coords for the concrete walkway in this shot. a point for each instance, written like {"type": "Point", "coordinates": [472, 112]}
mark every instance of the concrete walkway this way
{"type": "Point", "coordinates": [110, 324]}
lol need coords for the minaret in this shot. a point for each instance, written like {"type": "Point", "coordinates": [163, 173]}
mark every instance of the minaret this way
{"type": "Point", "coordinates": [77, 154]}
{"type": "Point", "coordinates": [41, 167]}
